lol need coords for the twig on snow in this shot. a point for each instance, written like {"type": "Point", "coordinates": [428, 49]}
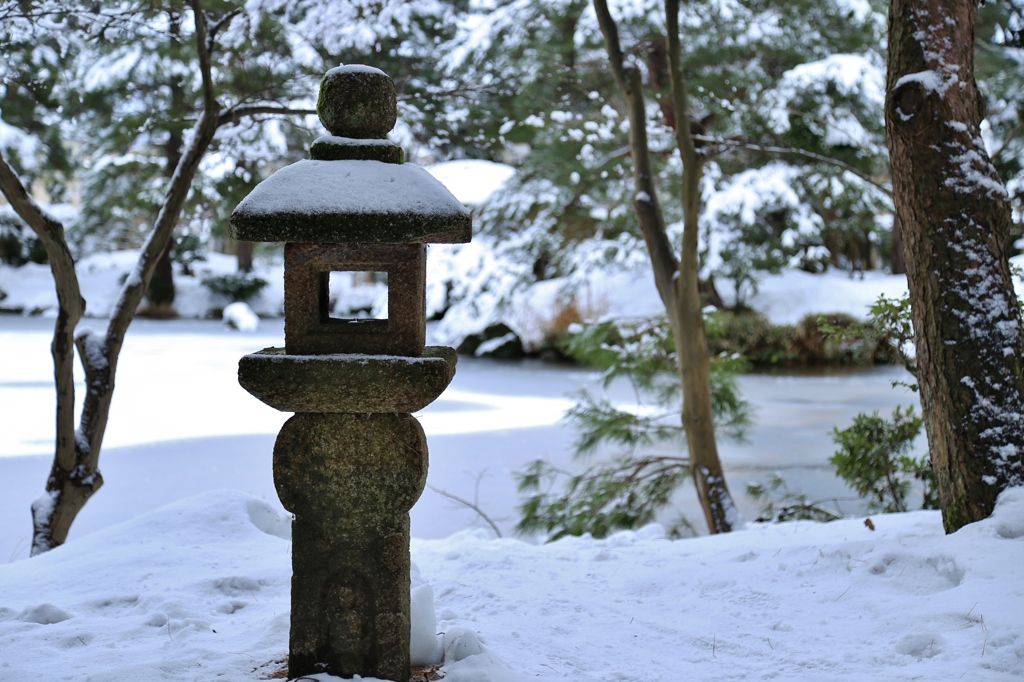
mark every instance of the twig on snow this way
{"type": "Point", "coordinates": [474, 505]}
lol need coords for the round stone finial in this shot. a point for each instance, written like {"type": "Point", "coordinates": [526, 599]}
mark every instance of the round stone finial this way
{"type": "Point", "coordinates": [357, 101]}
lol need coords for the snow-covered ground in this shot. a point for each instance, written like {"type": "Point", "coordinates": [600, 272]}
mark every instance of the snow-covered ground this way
{"type": "Point", "coordinates": [199, 590]}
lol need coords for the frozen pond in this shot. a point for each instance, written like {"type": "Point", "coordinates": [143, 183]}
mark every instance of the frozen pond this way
{"type": "Point", "coordinates": [180, 425]}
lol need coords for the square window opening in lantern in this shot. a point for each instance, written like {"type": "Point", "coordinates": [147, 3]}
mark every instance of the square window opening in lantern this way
{"type": "Point", "coordinates": [354, 295]}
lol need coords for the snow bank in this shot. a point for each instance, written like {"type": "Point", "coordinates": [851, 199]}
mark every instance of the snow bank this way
{"type": "Point", "coordinates": [199, 587]}
{"type": "Point", "coordinates": [199, 590]}
{"type": "Point", "coordinates": [101, 276]}
{"type": "Point", "coordinates": [472, 181]}
{"type": "Point", "coordinates": [487, 295]}
{"type": "Point", "coordinates": [240, 316]}
{"type": "Point", "coordinates": [788, 297]}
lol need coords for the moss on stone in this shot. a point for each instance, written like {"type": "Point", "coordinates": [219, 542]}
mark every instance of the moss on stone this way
{"type": "Point", "coordinates": [326, 149]}
{"type": "Point", "coordinates": [357, 101]}
{"type": "Point", "coordinates": [350, 480]}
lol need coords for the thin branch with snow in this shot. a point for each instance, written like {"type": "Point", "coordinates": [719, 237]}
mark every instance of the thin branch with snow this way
{"type": "Point", "coordinates": [739, 143]}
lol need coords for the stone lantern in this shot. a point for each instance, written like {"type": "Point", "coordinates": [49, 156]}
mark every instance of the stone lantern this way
{"type": "Point", "coordinates": [352, 461]}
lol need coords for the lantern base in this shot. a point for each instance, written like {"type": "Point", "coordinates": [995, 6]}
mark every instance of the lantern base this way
{"type": "Point", "coordinates": [350, 480]}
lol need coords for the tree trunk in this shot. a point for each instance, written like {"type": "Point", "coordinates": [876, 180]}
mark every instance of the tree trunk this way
{"type": "Point", "coordinates": [691, 344]}
{"type": "Point", "coordinates": [955, 217]}
{"type": "Point", "coordinates": [676, 280]}
{"type": "Point", "coordinates": [835, 248]}
{"type": "Point", "coordinates": [75, 476]}
{"type": "Point", "coordinates": [66, 479]}
{"type": "Point", "coordinates": [243, 252]}
{"type": "Point", "coordinates": [160, 294]}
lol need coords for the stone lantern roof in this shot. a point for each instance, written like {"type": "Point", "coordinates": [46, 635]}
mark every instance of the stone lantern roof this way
{"type": "Point", "coordinates": [354, 206]}
{"type": "Point", "coordinates": [355, 188]}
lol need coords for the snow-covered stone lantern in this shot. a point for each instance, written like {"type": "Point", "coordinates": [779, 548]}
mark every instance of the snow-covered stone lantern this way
{"type": "Point", "coordinates": [352, 461]}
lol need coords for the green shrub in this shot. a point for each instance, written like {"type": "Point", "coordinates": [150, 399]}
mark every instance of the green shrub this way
{"type": "Point", "coordinates": [629, 488]}
{"type": "Point", "coordinates": [838, 339]}
{"type": "Point", "coordinates": [236, 287]}
{"type": "Point", "coordinates": [751, 335]}
{"type": "Point", "coordinates": [188, 249]}
{"type": "Point", "coordinates": [872, 458]}
{"type": "Point", "coordinates": [833, 339]}
{"type": "Point", "coordinates": [779, 503]}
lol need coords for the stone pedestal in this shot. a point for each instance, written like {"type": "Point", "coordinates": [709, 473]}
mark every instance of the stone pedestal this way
{"type": "Point", "coordinates": [350, 480]}
{"type": "Point", "coordinates": [349, 465]}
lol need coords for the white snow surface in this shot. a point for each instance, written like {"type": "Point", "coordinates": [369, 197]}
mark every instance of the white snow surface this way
{"type": "Point", "coordinates": [240, 316]}
{"type": "Point", "coordinates": [30, 287]}
{"type": "Point", "coordinates": [530, 310]}
{"type": "Point", "coordinates": [199, 590]}
{"type": "Point", "coordinates": [355, 68]}
{"type": "Point", "coordinates": [311, 187]}
{"type": "Point", "coordinates": [353, 141]}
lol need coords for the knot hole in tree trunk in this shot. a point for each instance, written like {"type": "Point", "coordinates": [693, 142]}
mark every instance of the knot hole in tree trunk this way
{"type": "Point", "coordinates": [908, 102]}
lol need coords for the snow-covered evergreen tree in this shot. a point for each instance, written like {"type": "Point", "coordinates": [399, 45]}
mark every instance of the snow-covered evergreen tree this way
{"type": "Point", "coordinates": [787, 100]}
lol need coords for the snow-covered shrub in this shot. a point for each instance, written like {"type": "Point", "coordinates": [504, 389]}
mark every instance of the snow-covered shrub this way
{"type": "Point", "coordinates": [240, 316]}
{"type": "Point", "coordinates": [240, 286]}
{"type": "Point", "coordinates": [188, 249]}
{"type": "Point", "coordinates": [754, 222]}
{"type": "Point", "coordinates": [19, 244]}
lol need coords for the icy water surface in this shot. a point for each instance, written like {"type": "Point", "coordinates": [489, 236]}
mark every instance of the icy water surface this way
{"type": "Point", "coordinates": [181, 425]}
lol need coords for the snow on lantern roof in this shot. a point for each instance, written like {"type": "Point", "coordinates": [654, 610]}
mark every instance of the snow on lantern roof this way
{"type": "Point", "coordinates": [351, 201]}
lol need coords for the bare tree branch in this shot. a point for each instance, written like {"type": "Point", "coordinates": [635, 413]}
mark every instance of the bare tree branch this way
{"type": "Point", "coordinates": [203, 49]}
{"type": "Point", "coordinates": [794, 151]}
{"type": "Point", "coordinates": [611, 42]}
{"type": "Point", "coordinates": [235, 114]}
{"type": "Point", "coordinates": [71, 305]}
{"type": "Point", "coordinates": [216, 27]}
{"type": "Point", "coordinates": [680, 95]}
{"type": "Point", "coordinates": [469, 505]}
{"type": "Point", "coordinates": [75, 476]}
{"type": "Point", "coordinates": [71, 486]}
{"type": "Point", "coordinates": [652, 219]}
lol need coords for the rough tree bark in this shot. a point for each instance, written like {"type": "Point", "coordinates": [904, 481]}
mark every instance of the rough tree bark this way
{"type": "Point", "coordinates": [899, 261]}
{"type": "Point", "coordinates": [75, 476]}
{"type": "Point", "coordinates": [955, 216]}
{"type": "Point", "coordinates": [676, 279]}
